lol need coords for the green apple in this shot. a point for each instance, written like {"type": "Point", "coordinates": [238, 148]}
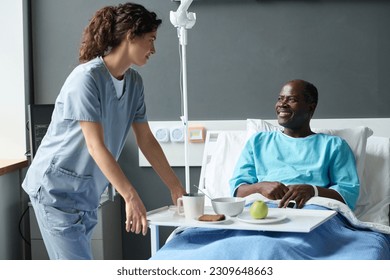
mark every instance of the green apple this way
{"type": "Point", "coordinates": [258, 210]}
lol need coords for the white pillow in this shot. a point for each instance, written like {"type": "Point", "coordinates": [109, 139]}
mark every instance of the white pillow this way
{"type": "Point", "coordinates": [374, 199]}
{"type": "Point", "coordinates": [356, 138]}
{"type": "Point", "coordinates": [256, 125]}
{"type": "Point", "coordinates": [223, 160]}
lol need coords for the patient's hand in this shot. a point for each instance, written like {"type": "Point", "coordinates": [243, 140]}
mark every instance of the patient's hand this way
{"type": "Point", "coordinates": [272, 190]}
{"type": "Point", "coordinates": [301, 193]}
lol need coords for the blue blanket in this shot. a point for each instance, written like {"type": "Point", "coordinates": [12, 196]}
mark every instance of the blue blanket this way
{"type": "Point", "coordinates": [336, 239]}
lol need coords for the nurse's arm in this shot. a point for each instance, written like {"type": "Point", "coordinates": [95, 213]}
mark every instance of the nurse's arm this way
{"type": "Point", "coordinates": [135, 210]}
{"type": "Point", "coordinates": [156, 157]}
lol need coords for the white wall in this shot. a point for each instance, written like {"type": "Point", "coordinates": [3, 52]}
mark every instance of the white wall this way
{"type": "Point", "coordinates": [12, 81]}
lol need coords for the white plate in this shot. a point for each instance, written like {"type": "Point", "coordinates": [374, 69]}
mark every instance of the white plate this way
{"type": "Point", "coordinates": [213, 222]}
{"type": "Point", "coordinates": [271, 218]}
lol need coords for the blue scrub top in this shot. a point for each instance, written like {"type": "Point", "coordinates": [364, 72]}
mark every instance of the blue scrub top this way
{"type": "Point", "coordinates": [63, 173]}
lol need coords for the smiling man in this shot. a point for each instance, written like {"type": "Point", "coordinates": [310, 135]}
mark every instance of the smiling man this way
{"type": "Point", "coordinates": [296, 163]}
{"type": "Point", "coordinates": [295, 107]}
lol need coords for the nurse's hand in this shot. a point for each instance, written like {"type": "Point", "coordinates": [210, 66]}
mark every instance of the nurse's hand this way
{"type": "Point", "coordinates": [136, 215]}
{"type": "Point", "coordinates": [177, 192]}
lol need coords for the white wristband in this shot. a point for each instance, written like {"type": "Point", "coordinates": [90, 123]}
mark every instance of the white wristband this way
{"type": "Point", "coordinates": [315, 190]}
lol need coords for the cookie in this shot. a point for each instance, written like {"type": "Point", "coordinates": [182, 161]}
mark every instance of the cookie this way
{"type": "Point", "coordinates": [211, 218]}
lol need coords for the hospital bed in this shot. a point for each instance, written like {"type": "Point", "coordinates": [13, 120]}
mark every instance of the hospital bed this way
{"type": "Point", "coordinates": [360, 234]}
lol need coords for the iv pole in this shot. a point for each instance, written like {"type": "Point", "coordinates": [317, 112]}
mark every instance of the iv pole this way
{"type": "Point", "coordinates": [183, 21]}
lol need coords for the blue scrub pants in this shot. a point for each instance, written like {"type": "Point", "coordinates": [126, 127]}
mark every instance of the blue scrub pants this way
{"type": "Point", "coordinates": [66, 232]}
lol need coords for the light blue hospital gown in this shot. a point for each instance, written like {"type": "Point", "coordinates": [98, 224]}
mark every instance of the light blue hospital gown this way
{"type": "Point", "coordinates": [319, 159]}
{"type": "Point", "coordinates": [63, 174]}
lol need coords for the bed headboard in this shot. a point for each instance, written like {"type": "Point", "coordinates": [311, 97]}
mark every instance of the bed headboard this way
{"type": "Point", "coordinates": [380, 128]}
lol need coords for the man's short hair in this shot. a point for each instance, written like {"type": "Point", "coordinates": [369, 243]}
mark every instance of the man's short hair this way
{"type": "Point", "coordinates": [310, 92]}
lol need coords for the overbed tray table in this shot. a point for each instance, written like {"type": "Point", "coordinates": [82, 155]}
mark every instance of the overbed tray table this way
{"type": "Point", "coordinates": [279, 219]}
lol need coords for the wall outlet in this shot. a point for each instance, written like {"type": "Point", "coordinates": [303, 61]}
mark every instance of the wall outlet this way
{"type": "Point", "coordinates": [162, 134]}
{"type": "Point", "coordinates": [177, 134]}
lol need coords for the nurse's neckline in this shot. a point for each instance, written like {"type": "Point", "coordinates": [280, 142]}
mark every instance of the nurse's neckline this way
{"type": "Point", "coordinates": [118, 77]}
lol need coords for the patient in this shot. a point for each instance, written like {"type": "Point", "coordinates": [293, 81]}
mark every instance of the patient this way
{"type": "Point", "coordinates": [296, 163]}
{"type": "Point", "coordinates": [284, 166]}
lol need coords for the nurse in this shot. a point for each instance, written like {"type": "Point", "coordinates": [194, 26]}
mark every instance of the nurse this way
{"type": "Point", "coordinates": [77, 159]}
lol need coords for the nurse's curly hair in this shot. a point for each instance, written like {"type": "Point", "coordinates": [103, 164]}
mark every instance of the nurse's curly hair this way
{"type": "Point", "coordinates": [111, 24]}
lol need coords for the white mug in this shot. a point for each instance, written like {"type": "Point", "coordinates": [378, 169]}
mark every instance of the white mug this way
{"type": "Point", "coordinates": [191, 205]}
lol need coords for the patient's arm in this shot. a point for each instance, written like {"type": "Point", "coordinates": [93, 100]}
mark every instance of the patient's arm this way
{"type": "Point", "coordinates": [271, 190]}
{"type": "Point", "coordinates": [301, 193]}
